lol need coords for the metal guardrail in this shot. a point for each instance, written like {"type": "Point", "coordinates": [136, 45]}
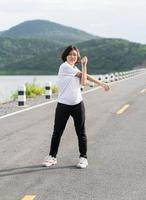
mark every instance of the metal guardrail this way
{"type": "Point", "coordinates": [116, 76]}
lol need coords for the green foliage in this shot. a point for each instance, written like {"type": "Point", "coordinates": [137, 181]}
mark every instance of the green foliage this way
{"type": "Point", "coordinates": [33, 90]}
{"type": "Point", "coordinates": [13, 51]}
{"type": "Point", "coordinates": [54, 89]}
{"type": "Point", "coordinates": [107, 55]}
{"type": "Point", "coordinates": [36, 57]}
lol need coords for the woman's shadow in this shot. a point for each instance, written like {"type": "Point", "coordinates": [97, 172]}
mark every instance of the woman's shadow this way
{"type": "Point", "coordinates": [31, 169]}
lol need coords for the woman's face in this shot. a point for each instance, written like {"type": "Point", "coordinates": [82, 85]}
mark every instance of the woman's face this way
{"type": "Point", "coordinates": [72, 57]}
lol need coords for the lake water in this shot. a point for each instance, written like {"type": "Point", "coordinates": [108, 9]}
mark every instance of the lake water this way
{"type": "Point", "coordinates": [10, 84]}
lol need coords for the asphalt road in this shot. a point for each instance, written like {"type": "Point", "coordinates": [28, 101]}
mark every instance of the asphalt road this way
{"type": "Point", "coordinates": [116, 150]}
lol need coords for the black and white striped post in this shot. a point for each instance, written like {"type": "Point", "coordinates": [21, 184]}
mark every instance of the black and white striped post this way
{"type": "Point", "coordinates": [21, 95]}
{"type": "Point", "coordinates": [48, 90]}
{"type": "Point", "coordinates": [91, 84]}
{"type": "Point", "coordinates": [82, 87]}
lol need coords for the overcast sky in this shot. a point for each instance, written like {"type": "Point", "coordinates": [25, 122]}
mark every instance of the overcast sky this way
{"type": "Point", "coordinates": [107, 18]}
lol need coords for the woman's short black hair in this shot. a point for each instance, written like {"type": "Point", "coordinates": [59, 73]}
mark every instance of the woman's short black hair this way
{"type": "Point", "coordinates": [68, 50]}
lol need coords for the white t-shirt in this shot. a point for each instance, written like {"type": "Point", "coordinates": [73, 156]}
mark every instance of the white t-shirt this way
{"type": "Point", "coordinates": [69, 85]}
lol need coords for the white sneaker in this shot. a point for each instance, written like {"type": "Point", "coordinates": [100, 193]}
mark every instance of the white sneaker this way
{"type": "Point", "coordinates": [83, 163]}
{"type": "Point", "coordinates": [49, 161]}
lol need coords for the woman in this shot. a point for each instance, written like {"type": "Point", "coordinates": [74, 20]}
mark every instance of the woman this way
{"type": "Point", "coordinates": [70, 103]}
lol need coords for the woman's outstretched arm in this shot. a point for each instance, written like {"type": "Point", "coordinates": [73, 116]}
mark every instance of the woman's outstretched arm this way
{"type": "Point", "coordinates": [83, 77]}
{"type": "Point", "coordinates": [94, 80]}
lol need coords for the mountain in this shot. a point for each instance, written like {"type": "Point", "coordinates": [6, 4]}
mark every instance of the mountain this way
{"type": "Point", "coordinates": [17, 50]}
{"type": "Point", "coordinates": [104, 55]}
{"type": "Point", "coordinates": [47, 30]}
{"type": "Point", "coordinates": [35, 47]}
{"type": "Point", "coordinates": [107, 55]}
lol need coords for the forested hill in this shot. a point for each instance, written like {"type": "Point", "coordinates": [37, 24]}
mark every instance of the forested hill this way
{"type": "Point", "coordinates": [34, 47]}
{"type": "Point", "coordinates": [107, 55]}
{"type": "Point", "coordinates": [47, 30]}
{"type": "Point", "coordinates": [37, 57]}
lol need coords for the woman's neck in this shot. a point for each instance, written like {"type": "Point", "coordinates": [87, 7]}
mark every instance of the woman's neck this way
{"type": "Point", "coordinates": [71, 64]}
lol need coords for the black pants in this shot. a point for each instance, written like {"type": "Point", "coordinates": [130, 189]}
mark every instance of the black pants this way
{"type": "Point", "coordinates": [62, 115]}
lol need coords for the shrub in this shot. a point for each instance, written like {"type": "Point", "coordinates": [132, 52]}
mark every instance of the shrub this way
{"type": "Point", "coordinates": [54, 89]}
{"type": "Point", "coordinates": [33, 90]}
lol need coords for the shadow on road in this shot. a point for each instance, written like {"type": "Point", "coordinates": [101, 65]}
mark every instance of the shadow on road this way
{"type": "Point", "coordinates": [31, 169]}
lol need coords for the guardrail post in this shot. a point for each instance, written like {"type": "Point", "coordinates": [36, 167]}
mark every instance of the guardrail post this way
{"type": "Point", "coordinates": [21, 95]}
{"type": "Point", "coordinates": [82, 87]}
{"type": "Point", "coordinates": [48, 90]}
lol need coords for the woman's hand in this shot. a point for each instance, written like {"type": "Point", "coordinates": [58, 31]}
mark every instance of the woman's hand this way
{"type": "Point", "coordinates": [105, 86]}
{"type": "Point", "coordinates": [84, 61]}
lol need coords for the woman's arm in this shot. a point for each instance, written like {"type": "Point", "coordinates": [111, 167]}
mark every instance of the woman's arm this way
{"type": "Point", "coordinates": [94, 80]}
{"type": "Point", "coordinates": [101, 83]}
{"type": "Point", "coordinates": [84, 76]}
{"type": "Point", "coordinates": [84, 61]}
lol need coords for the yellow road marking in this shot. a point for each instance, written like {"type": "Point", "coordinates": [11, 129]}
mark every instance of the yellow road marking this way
{"type": "Point", "coordinates": [28, 197]}
{"type": "Point", "coordinates": [142, 91]}
{"type": "Point", "coordinates": [123, 109]}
